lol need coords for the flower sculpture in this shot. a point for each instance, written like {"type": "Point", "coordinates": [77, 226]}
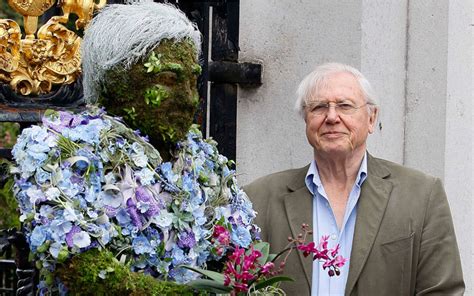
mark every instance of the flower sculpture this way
{"type": "Point", "coordinates": [87, 181]}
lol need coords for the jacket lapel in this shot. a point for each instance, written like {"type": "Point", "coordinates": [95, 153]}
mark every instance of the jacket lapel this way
{"type": "Point", "coordinates": [373, 201]}
{"type": "Point", "coordinates": [299, 209]}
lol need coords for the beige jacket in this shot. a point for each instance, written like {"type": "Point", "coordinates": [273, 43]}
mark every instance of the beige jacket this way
{"type": "Point", "coordinates": [404, 242]}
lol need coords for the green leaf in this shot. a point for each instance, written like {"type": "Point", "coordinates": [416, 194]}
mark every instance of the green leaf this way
{"type": "Point", "coordinates": [264, 248]}
{"type": "Point", "coordinates": [215, 276]}
{"type": "Point", "coordinates": [272, 281]}
{"type": "Point", "coordinates": [197, 69]}
{"type": "Point", "coordinates": [210, 286]}
{"type": "Point", "coordinates": [51, 114]}
{"type": "Point", "coordinates": [174, 67]}
{"type": "Point", "coordinates": [271, 257]}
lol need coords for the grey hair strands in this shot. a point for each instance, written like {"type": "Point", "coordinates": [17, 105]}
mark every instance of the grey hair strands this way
{"type": "Point", "coordinates": [136, 1]}
{"type": "Point", "coordinates": [123, 34]}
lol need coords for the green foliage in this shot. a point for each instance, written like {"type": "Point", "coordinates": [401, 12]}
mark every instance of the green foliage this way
{"type": "Point", "coordinates": [168, 133]}
{"type": "Point", "coordinates": [9, 216]}
{"type": "Point", "coordinates": [8, 133]}
{"type": "Point", "coordinates": [196, 100]}
{"type": "Point", "coordinates": [264, 248]}
{"type": "Point", "coordinates": [155, 95]}
{"type": "Point", "coordinates": [97, 272]}
{"type": "Point", "coordinates": [155, 65]}
{"type": "Point", "coordinates": [173, 67]}
{"type": "Point", "coordinates": [210, 286]}
{"type": "Point", "coordinates": [131, 114]}
{"type": "Point", "coordinates": [215, 283]}
{"type": "Point", "coordinates": [68, 147]}
{"type": "Point", "coordinates": [197, 69]}
{"type": "Point", "coordinates": [215, 276]}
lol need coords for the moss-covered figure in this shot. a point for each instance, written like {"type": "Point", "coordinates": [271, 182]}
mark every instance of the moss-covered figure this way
{"type": "Point", "coordinates": [157, 95]}
{"type": "Point", "coordinates": [97, 272]}
{"type": "Point", "coordinates": [141, 63]}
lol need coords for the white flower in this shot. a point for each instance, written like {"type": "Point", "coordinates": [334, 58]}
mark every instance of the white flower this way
{"type": "Point", "coordinates": [146, 176]}
{"type": "Point", "coordinates": [163, 219]}
{"type": "Point", "coordinates": [110, 178]}
{"type": "Point", "coordinates": [34, 194]}
{"type": "Point", "coordinates": [103, 274]}
{"type": "Point", "coordinates": [140, 159]}
{"type": "Point", "coordinates": [69, 213]}
{"type": "Point", "coordinates": [52, 193]}
{"type": "Point", "coordinates": [213, 179]}
{"type": "Point", "coordinates": [137, 148]}
{"type": "Point", "coordinates": [81, 239]}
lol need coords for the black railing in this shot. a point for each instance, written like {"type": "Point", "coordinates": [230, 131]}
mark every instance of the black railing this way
{"type": "Point", "coordinates": [8, 278]}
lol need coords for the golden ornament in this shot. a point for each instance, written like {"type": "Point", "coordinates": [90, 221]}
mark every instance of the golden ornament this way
{"type": "Point", "coordinates": [45, 57]}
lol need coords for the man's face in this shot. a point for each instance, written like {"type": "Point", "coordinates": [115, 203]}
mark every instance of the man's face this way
{"type": "Point", "coordinates": [333, 133]}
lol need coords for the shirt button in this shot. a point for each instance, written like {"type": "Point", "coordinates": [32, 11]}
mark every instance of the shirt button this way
{"type": "Point", "coordinates": [333, 236]}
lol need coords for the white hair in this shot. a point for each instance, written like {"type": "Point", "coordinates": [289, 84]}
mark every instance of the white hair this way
{"type": "Point", "coordinates": [123, 34]}
{"type": "Point", "coordinates": [136, 1]}
{"type": "Point", "coordinates": [313, 81]}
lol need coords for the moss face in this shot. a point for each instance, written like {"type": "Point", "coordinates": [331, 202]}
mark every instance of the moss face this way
{"type": "Point", "coordinates": [158, 95]}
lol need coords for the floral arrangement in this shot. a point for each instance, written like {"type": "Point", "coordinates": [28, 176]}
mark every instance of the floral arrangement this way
{"type": "Point", "coordinates": [87, 181]}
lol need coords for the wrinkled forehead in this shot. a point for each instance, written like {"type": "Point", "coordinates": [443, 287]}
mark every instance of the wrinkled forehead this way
{"type": "Point", "coordinates": [337, 85]}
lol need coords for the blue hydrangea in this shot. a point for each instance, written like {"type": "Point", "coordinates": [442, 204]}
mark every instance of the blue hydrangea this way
{"type": "Point", "coordinates": [141, 245]}
{"type": "Point", "coordinates": [106, 191]}
{"type": "Point", "coordinates": [38, 237]}
{"type": "Point", "coordinates": [241, 236]}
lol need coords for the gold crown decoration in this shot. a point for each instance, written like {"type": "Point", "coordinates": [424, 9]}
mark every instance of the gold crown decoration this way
{"type": "Point", "coordinates": [45, 57]}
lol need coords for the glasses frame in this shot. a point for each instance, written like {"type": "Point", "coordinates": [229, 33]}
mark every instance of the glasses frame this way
{"type": "Point", "coordinates": [338, 107]}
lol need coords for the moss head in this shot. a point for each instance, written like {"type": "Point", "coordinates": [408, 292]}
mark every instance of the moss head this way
{"type": "Point", "coordinates": [160, 89]}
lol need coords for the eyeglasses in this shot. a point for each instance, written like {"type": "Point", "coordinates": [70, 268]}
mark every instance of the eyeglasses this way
{"type": "Point", "coordinates": [320, 109]}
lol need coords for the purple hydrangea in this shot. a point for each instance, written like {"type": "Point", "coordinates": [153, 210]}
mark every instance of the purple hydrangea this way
{"type": "Point", "coordinates": [186, 239]}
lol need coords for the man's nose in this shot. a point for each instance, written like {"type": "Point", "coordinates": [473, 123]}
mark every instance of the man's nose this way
{"type": "Point", "coordinates": [332, 115]}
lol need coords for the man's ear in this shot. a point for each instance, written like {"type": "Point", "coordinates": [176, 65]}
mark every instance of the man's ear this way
{"type": "Point", "coordinates": [373, 118]}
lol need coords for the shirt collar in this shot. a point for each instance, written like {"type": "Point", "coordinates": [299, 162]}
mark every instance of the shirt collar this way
{"type": "Point", "coordinates": [313, 180]}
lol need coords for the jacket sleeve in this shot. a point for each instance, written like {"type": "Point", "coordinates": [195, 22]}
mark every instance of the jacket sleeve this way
{"type": "Point", "coordinates": [439, 266]}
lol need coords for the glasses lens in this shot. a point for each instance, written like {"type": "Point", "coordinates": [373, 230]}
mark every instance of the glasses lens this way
{"type": "Point", "coordinates": [321, 109]}
{"type": "Point", "coordinates": [345, 108]}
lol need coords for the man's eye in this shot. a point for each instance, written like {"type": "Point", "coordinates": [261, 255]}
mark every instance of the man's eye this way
{"type": "Point", "coordinates": [320, 107]}
{"type": "Point", "coordinates": [345, 106]}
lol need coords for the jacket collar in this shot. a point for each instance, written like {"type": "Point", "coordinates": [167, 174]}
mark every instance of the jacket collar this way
{"type": "Point", "coordinates": [299, 209]}
{"type": "Point", "coordinates": [373, 200]}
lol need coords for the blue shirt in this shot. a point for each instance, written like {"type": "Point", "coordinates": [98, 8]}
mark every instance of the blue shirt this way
{"type": "Point", "coordinates": [324, 223]}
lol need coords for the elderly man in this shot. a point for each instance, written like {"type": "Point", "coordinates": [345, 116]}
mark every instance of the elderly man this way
{"type": "Point", "coordinates": [392, 223]}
